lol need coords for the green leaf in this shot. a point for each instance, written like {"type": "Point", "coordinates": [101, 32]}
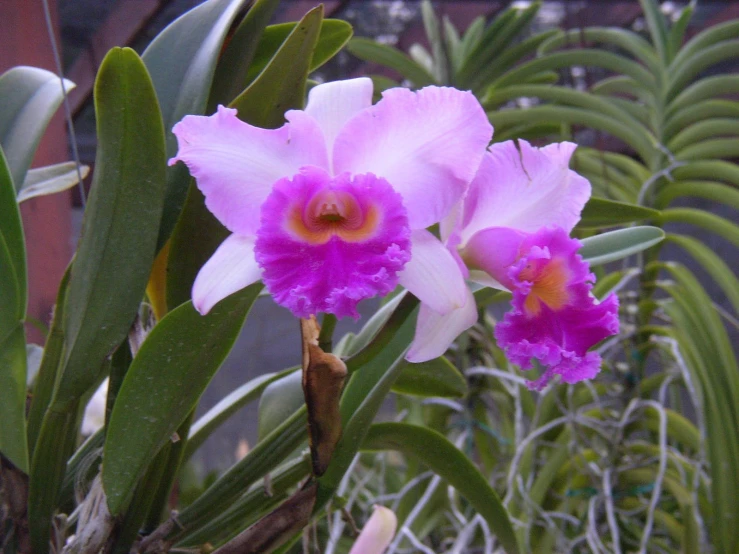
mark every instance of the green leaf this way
{"type": "Point", "coordinates": [51, 179]}
{"type": "Point", "coordinates": [599, 212]}
{"type": "Point", "coordinates": [433, 34]}
{"type": "Point", "coordinates": [281, 85]}
{"type": "Point", "coordinates": [389, 56]}
{"type": "Point", "coordinates": [162, 386]}
{"type": "Point", "coordinates": [118, 242]}
{"type": "Point", "coordinates": [13, 286]}
{"type": "Point", "coordinates": [706, 220]}
{"type": "Point", "coordinates": [13, 442]}
{"type": "Point", "coordinates": [30, 96]}
{"type": "Point", "coordinates": [279, 401]}
{"type": "Point", "coordinates": [332, 37]}
{"type": "Point", "coordinates": [236, 59]}
{"type": "Point", "coordinates": [182, 61]}
{"type": "Point", "coordinates": [615, 245]}
{"type": "Point", "coordinates": [713, 264]}
{"type": "Point", "coordinates": [447, 461]}
{"type": "Point", "coordinates": [374, 370]}
{"type": "Point", "coordinates": [228, 406]}
{"type": "Point", "coordinates": [657, 27]}
{"type": "Point", "coordinates": [437, 377]}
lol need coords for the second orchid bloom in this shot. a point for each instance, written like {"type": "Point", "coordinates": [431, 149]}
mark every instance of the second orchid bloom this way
{"type": "Point", "coordinates": [333, 208]}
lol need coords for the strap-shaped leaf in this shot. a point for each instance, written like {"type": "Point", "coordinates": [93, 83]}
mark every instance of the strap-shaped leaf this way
{"type": "Point", "coordinates": [182, 61]}
{"type": "Point", "coordinates": [162, 386]}
{"type": "Point", "coordinates": [118, 242]}
{"type": "Point", "coordinates": [389, 56]}
{"type": "Point", "coordinates": [437, 377]}
{"type": "Point", "coordinates": [599, 212]}
{"type": "Point", "coordinates": [30, 96]}
{"type": "Point", "coordinates": [332, 37]}
{"type": "Point", "coordinates": [51, 179]}
{"type": "Point", "coordinates": [615, 245]}
{"type": "Point", "coordinates": [447, 461]}
{"type": "Point", "coordinates": [111, 267]}
{"type": "Point", "coordinates": [13, 443]}
{"type": "Point", "coordinates": [12, 255]}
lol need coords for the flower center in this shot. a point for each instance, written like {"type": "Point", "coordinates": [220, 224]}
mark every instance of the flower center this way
{"type": "Point", "coordinates": [331, 212]}
{"type": "Point", "coordinates": [549, 280]}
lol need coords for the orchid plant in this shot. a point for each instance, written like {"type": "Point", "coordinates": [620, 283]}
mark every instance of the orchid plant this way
{"type": "Point", "coordinates": [221, 178]}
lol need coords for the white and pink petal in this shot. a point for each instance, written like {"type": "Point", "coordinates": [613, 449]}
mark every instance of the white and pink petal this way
{"type": "Point", "coordinates": [433, 275]}
{"type": "Point", "coordinates": [231, 268]}
{"type": "Point", "coordinates": [524, 189]}
{"type": "Point", "coordinates": [436, 332]}
{"type": "Point", "coordinates": [235, 164]}
{"type": "Point", "coordinates": [427, 144]}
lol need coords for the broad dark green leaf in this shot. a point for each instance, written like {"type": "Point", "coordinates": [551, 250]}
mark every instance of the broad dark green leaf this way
{"type": "Point", "coordinates": [162, 386]}
{"type": "Point", "coordinates": [437, 377]}
{"type": "Point", "coordinates": [281, 85]}
{"type": "Point", "coordinates": [615, 245]}
{"type": "Point", "coordinates": [30, 97]}
{"type": "Point", "coordinates": [13, 442]}
{"type": "Point", "coordinates": [447, 461]}
{"type": "Point", "coordinates": [234, 63]}
{"type": "Point", "coordinates": [332, 37]}
{"type": "Point", "coordinates": [14, 252]}
{"type": "Point", "coordinates": [51, 179]}
{"type": "Point", "coordinates": [118, 242]}
{"type": "Point", "coordinates": [182, 60]}
{"type": "Point", "coordinates": [599, 212]}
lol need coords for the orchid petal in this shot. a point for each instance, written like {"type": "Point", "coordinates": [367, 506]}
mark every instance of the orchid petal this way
{"type": "Point", "coordinates": [524, 190]}
{"type": "Point", "coordinates": [231, 268]}
{"type": "Point", "coordinates": [377, 533]}
{"type": "Point", "coordinates": [433, 274]}
{"type": "Point", "coordinates": [436, 332]}
{"type": "Point", "coordinates": [235, 164]}
{"type": "Point", "coordinates": [333, 104]}
{"type": "Point", "coordinates": [494, 250]}
{"type": "Point", "coordinates": [427, 144]}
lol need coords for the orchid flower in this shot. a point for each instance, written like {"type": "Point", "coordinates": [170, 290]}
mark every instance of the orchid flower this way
{"type": "Point", "coordinates": [332, 207]}
{"type": "Point", "coordinates": [512, 232]}
{"type": "Point", "coordinates": [377, 533]}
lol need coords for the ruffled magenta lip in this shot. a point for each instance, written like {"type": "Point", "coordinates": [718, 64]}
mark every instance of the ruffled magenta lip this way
{"type": "Point", "coordinates": [326, 243]}
{"type": "Point", "coordinates": [555, 319]}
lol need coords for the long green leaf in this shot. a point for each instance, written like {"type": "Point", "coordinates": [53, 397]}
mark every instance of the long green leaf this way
{"type": "Point", "coordinates": [371, 51]}
{"type": "Point", "coordinates": [332, 37]}
{"type": "Point", "coordinates": [182, 61]}
{"type": "Point", "coordinates": [118, 241]}
{"type": "Point", "coordinates": [51, 179]}
{"type": "Point", "coordinates": [238, 54]}
{"type": "Point", "coordinates": [30, 96]}
{"type": "Point", "coordinates": [437, 377]}
{"type": "Point", "coordinates": [14, 278]}
{"type": "Point", "coordinates": [615, 245]}
{"type": "Point", "coordinates": [281, 85]}
{"type": "Point", "coordinates": [13, 442]}
{"type": "Point", "coordinates": [162, 386]}
{"type": "Point", "coordinates": [599, 212]}
{"type": "Point", "coordinates": [657, 26]}
{"type": "Point", "coordinates": [228, 405]}
{"type": "Point", "coordinates": [435, 451]}
{"type": "Point", "coordinates": [706, 220]}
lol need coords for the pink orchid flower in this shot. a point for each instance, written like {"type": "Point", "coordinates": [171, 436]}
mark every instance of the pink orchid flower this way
{"type": "Point", "coordinates": [332, 207]}
{"type": "Point", "coordinates": [377, 533]}
{"type": "Point", "coordinates": [512, 232]}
